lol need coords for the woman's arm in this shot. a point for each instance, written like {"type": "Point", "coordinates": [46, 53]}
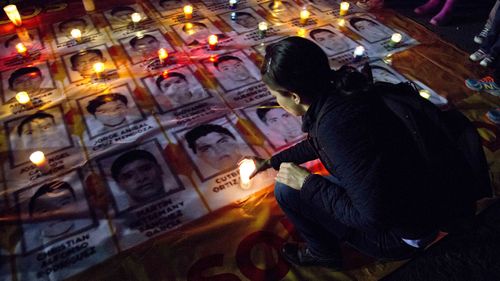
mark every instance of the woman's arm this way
{"type": "Point", "coordinates": [298, 154]}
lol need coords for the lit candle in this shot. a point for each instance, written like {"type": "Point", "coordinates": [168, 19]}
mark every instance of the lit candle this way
{"type": "Point", "coordinates": [88, 5]}
{"type": "Point", "coordinates": [395, 39]}
{"type": "Point", "coordinates": [98, 69]}
{"type": "Point", "coordinates": [425, 94]}
{"type": "Point", "coordinates": [162, 55]}
{"type": "Point", "coordinates": [23, 98]}
{"type": "Point", "coordinates": [76, 34]}
{"type": "Point", "coordinates": [247, 167]}
{"type": "Point", "coordinates": [233, 15]}
{"type": "Point", "coordinates": [21, 49]}
{"type": "Point", "coordinates": [13, 14]}
{"type": "Point", "coordinates": [23, 35]}
{"type": "Point", "coordinates": [262, 29]}
{"type": "Point", "coordinates": [38, 158]}
{"type": "Point", "coordinates": [276, 4]}
{"type": "Point", "coordinates": [188, 12]}
{"type": "Point", "coordinates": [301, 32]}
{"type": "Point", "coordinates": [344, 8]}
{"type": "Point", "coordinates": [136, 18]}
{"type": "Point", "coordinates": [304, 16]}
{"type": "Point", "coordinates": [212, 41]}
{"type": "Point", "coordinates": [359, 52]}
{"type": "Point", "coordinates": [233, 4]}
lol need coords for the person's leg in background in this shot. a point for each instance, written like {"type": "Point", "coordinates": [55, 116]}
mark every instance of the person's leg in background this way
{"type": "Point", "coordinates": [445, 14]}
{"type": "Point", "coordinates": [490, 47]}
{"type": "Point", "coordinates": [489, 22]}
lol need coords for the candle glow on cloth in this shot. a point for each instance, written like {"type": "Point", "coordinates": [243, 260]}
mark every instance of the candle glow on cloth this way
{"type": "Point", "coordinates": [98, 69]}
{"type": "Point", "coordinates": [344, 8]}
{"type": "Point", "coordinates": [76, 34]}
{"type": "Point", "coordinates": [247, 167]}
{"type": "Point", "coordinates": [341, 22]}
{"type": "Point", "coordinates": [188, 12]}
{"type": "Point", "coordinates": [21, 49]}
{"type": "Point", "coordinates": [304, 16]}
{"type": "Point", "coordinates": [38, 158]}
{"type": "Point", "coordinates": [13, 14]}
{"type": "Point", "coordinates": [395, 39]}
{"type": "Point", "coordinates": [136, 17]}
{"type": "Point", "coordinates": [212, 41]}
{"type": "Point", "coordinates": [23, 98]}
{"type": "Point", "coordinates": [162, 55]}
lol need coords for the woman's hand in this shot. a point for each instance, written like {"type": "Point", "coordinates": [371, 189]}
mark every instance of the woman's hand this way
{"type": "Point", "coordinates": [292, 175]}
{"type": "Point", "coordinates": [260, 164]}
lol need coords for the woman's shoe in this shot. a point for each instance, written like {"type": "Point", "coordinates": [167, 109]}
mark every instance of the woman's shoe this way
{"type": "Point", "coordinates": [302, 256]}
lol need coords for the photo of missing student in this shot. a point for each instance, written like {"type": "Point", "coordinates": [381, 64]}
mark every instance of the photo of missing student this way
{"type": "Point", "coordinates": [53, 211]}
{"type": "Point", "coordinates": [282, 11]}
{"type": "Point", "coordinates": [109, 111]}
{"type": "Point", "coordinates": [213, 147]}
{"type": "Point", "coordinates": [368, 28]}
{"type": "Point", "coordinates": [383, 73]}
{"type": "Point", "coordinates": [42, 130]}
{"type": "Point", "coordinates": [175, 88]}
{"type": "Point", "coordinates": [138, 176]}
{"type": "Point", "coordinates": [233, 70]}
{"type": "Point", "coordinates": [121, 16]}
{"type": "Point", "coordinates": [168, 7]}
{"type": "Point", "coordinates": [278, 126]}
{"type": "Point", "coordinates": [331, 41]}
{"type": "Point", "coordinates": [195, 33]}
{"type": "Point", "coordinates": [79, 65]}
{"type": "Point", "coordinates": [242, 20]}
{"type": "Point", "coordinates": [34, 79]}
{"type": "Point", "coordinates": [29, 38]}
{"type": "Point", "coordinates": [62, 30]}
{"type": "Point", "coordinates": [145, 46]}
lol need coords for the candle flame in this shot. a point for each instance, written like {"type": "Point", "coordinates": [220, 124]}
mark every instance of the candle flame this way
{"type": "Point", "coordinates": [13, 14]}
{"type": "Point", "coordinates": [213, 39]}
{"type": "Point", "coordinates": [162, 53]}
{"type": "Point", "coordinates": [247, 167]}
{"type": "Point", "coordinates": [98, 67]}
{"type": "Point", "coordinates": [22, 97]}
{"type": "Point", "coordinates": [37, 157]}
{"type": "Point", "coordinates": [21, 48]}
{"type": "Point", "coordinates": [136, 17]}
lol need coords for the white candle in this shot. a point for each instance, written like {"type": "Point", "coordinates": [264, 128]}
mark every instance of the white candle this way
{"type": "Point", "coordinates": [212, 41]}
{"type": "Point", "coordinates": [162, 55]}
{"type": "Point", "coordinates": [425, 94]}
{"type": "Point", "coordinates": [76, 34]}
{"type": "Point", "coordinates": [188, 11]}
{"type": "Point", "coordinates": [13, 14]}
{"type": "Point", "coordinates": [304, 16]}
{"type": "Point", "coordinates": [98, 69]}
{"type": "Point", "coordinates": [232, 4]}
{"type": "Point", "coordinates": [23, 98]}
{"type": "Point", "coordinates": [262, 29]}
{"type": "Point", "coordinates": [344, 8]}
{"type": "Point", "coordinates": [395, 39]}
{"type": "Point", "coordinates": [359, 52]}
{"type": "Point", "coordinates": [247, 167]}
{"type": "Point", "coordinates": [38, 158]}
{"type": "Point", "coordinates": [136, 17]}
{"type": "Point", "coordinates": [88, 5]}
{"type": "Point", "coordinates": [21, 49]}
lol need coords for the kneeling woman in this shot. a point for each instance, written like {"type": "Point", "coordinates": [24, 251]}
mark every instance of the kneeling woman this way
{"type": "Point", "coordinates": [381, 197]}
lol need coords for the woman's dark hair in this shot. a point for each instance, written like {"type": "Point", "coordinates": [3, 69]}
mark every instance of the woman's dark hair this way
{"type": "Point", "coordinates": [298, 65]}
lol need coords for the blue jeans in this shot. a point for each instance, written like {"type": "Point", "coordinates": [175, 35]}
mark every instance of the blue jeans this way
{"type": "Point", "coordinates": [323, 233]}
